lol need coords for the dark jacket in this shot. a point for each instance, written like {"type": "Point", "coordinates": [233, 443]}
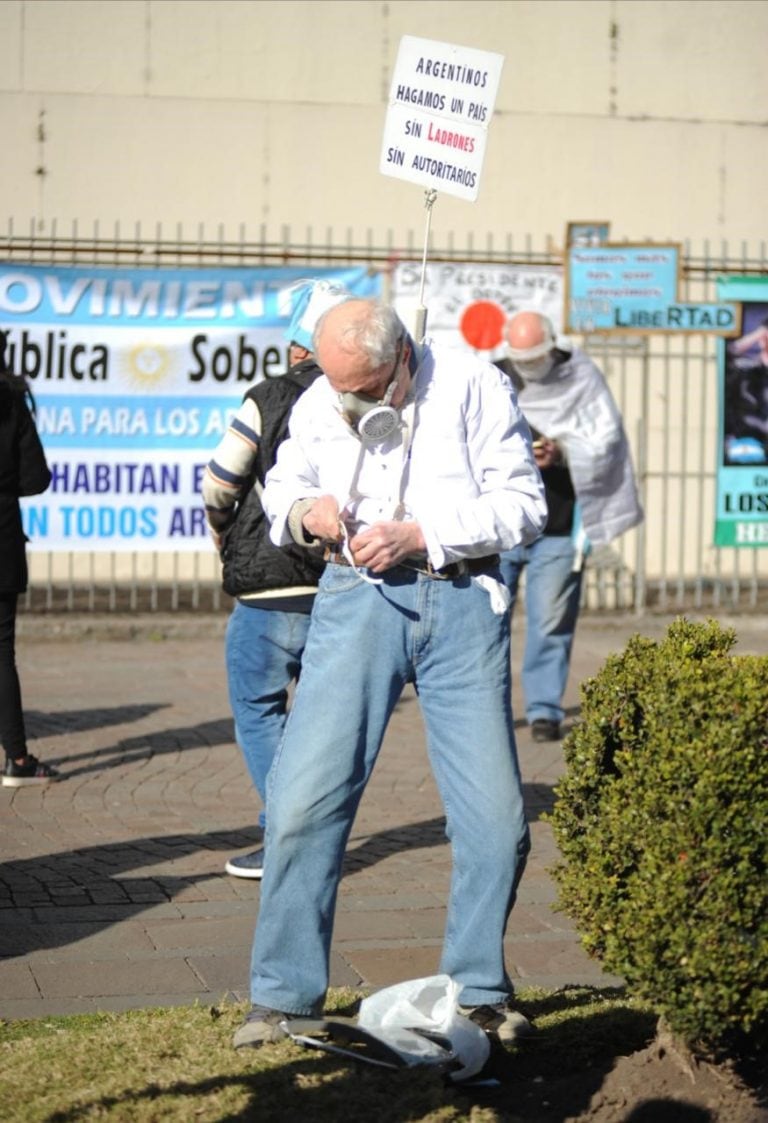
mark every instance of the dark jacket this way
{"type": "Point", "coordinates": [251, 563]}
{"type": "Point", "coordinates": [23, 471]}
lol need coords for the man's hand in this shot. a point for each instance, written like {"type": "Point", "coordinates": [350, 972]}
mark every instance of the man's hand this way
{"type": "Point", "coordinates": [547, 453]}
{"type": "Point", "coordinates": [385, 544]}
{"type": "Point", "coordinates": [322, 519]}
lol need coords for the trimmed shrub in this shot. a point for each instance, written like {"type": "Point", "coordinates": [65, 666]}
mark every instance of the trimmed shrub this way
{"type": "Point", "coordinates": [662, 824]}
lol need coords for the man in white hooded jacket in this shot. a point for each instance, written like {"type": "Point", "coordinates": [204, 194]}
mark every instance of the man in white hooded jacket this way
{"type": "Point", "coordinates": [582, 452]}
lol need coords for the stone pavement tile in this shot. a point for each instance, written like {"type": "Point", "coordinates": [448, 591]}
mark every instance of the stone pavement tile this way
{"type": "Point", "coordinates": [533, 919]}
{"type": "Point", "coordinates": [238, 907]}
{"type": "Point", "coordinates": [536, 890]}
{"type": "Point", "coordinates": [427, 924]}
{"type": "Point", "coordinates": [224, 932]}
{"type": "Point", "coordinates": [361, 902]}
{"type": "Point", "coordinates": [371, 925]}
{"type": "Point", "coordinates": [16, 981]}
{"type": "Point", "coordinates": [544, 956]}
{"type": "Point", "coordinates": [219, 973]}
{"type": "Point", "coordinates": [381, 967]}
{"type": "Point", "coordinates": [75, 941]}
{"type": "Point", "coordinates": [343, 973]}
{"type": "Point", "coordinates": [95, 979]}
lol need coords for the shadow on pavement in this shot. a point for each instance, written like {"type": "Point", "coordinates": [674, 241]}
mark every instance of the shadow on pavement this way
{"type": "Point", "coordinates": [78, 893]}
{"type": "Point", "coordinates": [44, 723]}
{"type": "Point", "coordinates": [206, 734]}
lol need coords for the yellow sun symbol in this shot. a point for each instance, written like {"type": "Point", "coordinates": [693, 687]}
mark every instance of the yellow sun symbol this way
{"type": "Point", "coordinates": [147, 364]}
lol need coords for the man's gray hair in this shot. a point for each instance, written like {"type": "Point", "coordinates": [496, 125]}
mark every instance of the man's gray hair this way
{"type": "Point", "coordinates": [376, 331]}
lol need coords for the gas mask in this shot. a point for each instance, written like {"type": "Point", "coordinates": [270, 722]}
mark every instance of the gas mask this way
{"type": "Point", "coordinates": [535, 370]}
{"type": "Point", "coordinates": [373, 419]}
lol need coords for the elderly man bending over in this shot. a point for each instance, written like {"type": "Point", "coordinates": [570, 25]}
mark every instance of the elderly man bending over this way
{"type": "Point", "coordinates": [412, 466]}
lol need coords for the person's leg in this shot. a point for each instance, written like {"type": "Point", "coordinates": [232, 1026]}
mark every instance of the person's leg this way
{"type": "Point", "coordinates": [354, 666]}
{"type": "Point", "coordinates": [12, 731]}
{"type": "Point", "coordinates": [552, 595]}
{"type": "Point", "coordinates": [463, 680]}
{"type": "Point", "coordinates": [21, 767]}
{"type": "Point", "coordinates": [263, 657]}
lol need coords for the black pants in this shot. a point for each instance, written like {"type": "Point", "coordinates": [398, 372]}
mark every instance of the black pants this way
{"type": "Point", "coordinates": [12, 733]}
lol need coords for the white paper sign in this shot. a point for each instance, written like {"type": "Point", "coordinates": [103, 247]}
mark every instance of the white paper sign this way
{"type": "Point", "coordinates": [440, 105]}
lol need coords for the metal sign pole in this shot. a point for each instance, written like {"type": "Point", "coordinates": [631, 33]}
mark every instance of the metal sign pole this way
{"type": "Point", "coordinates": [421, 311]}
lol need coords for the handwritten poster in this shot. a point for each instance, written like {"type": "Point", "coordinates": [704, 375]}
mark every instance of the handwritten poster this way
{"type": "Point", "coordinates": [440, 105]}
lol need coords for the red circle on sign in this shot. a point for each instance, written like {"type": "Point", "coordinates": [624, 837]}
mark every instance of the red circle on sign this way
{"type": "Point", "coordinates": [482, 324]}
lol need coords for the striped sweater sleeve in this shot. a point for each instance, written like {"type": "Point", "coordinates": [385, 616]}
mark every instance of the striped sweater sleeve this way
{"type": "Point", "coordinates": [229, 469]}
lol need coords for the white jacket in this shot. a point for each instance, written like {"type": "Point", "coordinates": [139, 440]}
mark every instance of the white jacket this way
{"type": "Point", "coordinates": [462, 465]}
{"type": "Point", "coordinates": [574, 406]}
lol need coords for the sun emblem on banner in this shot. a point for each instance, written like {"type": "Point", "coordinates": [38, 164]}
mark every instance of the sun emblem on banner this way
{"type": "Point", "coordinates": [147, 364]}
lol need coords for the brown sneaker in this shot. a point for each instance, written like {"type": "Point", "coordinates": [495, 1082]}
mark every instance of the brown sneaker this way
{"type": "Point", "coordinates": [501, 1021]}
{"type": "Point", "coordinates": [261, 1025]}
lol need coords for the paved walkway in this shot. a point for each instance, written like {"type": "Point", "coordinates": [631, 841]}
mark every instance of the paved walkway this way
{"type": "Point", "coordinates": [113, 894]}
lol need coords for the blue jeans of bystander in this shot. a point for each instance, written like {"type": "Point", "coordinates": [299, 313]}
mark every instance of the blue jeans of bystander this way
{"type": "Point", "coordinates": [365, 643]}
{"type": "Point", "coordinates": [263, 656]}
{"type": "Point", "coordinates": [552, 595]}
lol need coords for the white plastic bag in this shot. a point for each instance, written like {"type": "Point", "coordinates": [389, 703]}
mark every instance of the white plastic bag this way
{"type": "Point", "coordinates": [397, 1013]}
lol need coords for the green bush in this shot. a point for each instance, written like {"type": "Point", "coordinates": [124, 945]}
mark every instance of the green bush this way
{"type": "Point", "coordinates": [662, 824]}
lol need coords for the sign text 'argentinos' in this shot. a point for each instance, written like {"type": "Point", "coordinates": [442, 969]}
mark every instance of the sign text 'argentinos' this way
{"type": "Point", "coordinates": [440, 104]}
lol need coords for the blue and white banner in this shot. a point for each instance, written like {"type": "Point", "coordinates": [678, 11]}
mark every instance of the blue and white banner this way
{"type": "Point", "coordinates": [136, 374]}
{"type": "Point", "coordinates": [741, 517]}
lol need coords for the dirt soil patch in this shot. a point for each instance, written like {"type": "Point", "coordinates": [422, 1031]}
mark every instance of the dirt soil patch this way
{"type": "Point", "coordinates": [657, 1084]}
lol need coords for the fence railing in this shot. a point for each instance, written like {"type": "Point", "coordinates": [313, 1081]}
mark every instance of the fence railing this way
{"type": "Point", "coordinates": [666, 387]}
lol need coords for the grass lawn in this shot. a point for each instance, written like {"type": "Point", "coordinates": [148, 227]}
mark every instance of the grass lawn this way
{"type": "Point", "coordinates": [179, 1064]}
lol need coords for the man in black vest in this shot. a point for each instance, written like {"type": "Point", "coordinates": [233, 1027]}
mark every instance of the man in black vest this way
{"type": "Point", "coordinates": [274, 587]}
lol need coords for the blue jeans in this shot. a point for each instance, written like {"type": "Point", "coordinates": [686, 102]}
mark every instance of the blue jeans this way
{"type": "Point", "coordinates": [552, 596]}
{"type": "Point", "coordinates": [365, 643]}
{"type": "Point", "coordinates": [263, 655]}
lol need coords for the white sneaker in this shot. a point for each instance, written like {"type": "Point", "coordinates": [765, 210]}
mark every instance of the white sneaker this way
{"type": "Point", "coordinates": [247, 865]}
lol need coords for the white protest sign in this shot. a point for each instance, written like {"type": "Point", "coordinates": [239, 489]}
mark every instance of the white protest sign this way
{"type": "Point", "coordinates": [440, 105]}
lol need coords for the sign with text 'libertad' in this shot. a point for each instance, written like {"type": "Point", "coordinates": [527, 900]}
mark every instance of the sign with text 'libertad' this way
{"type": "Point", "coordinates": [440, 105]}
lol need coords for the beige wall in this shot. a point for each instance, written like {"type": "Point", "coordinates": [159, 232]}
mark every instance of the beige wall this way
{"type": "Point", "coordinates": [249, 116]}
{"type": "Point", "coordinates": [650, 113]}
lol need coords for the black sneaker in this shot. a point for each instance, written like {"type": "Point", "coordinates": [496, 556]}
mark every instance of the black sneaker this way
{"type": "Point", "coordinates": [32, 771]}
{"type": "Point", "coordinates": [500, 1020]}
{"type": "Point", "coordinates": [261, 1026]}
{"type": "Point", "coordinates": [247, 865]}
{"type": "Point", "coordinates": [544, 730]}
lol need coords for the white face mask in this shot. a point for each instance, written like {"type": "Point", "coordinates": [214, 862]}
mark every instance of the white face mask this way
{"type": "Point", "coordinates": [373, 419]}
{"type": "Point", "coordinates": [536, 370]}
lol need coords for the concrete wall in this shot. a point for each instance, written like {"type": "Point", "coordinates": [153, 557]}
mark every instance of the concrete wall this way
{"type": "Point", "coordinates": [652, 114]}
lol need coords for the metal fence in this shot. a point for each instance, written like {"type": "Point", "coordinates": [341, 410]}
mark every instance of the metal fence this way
{"type": "Point", "coordinates": [665, 386]}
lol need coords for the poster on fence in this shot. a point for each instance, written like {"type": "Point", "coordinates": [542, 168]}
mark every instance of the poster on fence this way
{"type": "Point", "coordinates": [136, 374]}
{"type": "Point", "coordinates": [742, 475]}
{"type": "Point", "coordinates": [468, 303]}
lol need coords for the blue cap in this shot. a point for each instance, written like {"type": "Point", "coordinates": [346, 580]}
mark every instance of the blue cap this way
{"type": "Point", "coordinates": [314, 298]}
